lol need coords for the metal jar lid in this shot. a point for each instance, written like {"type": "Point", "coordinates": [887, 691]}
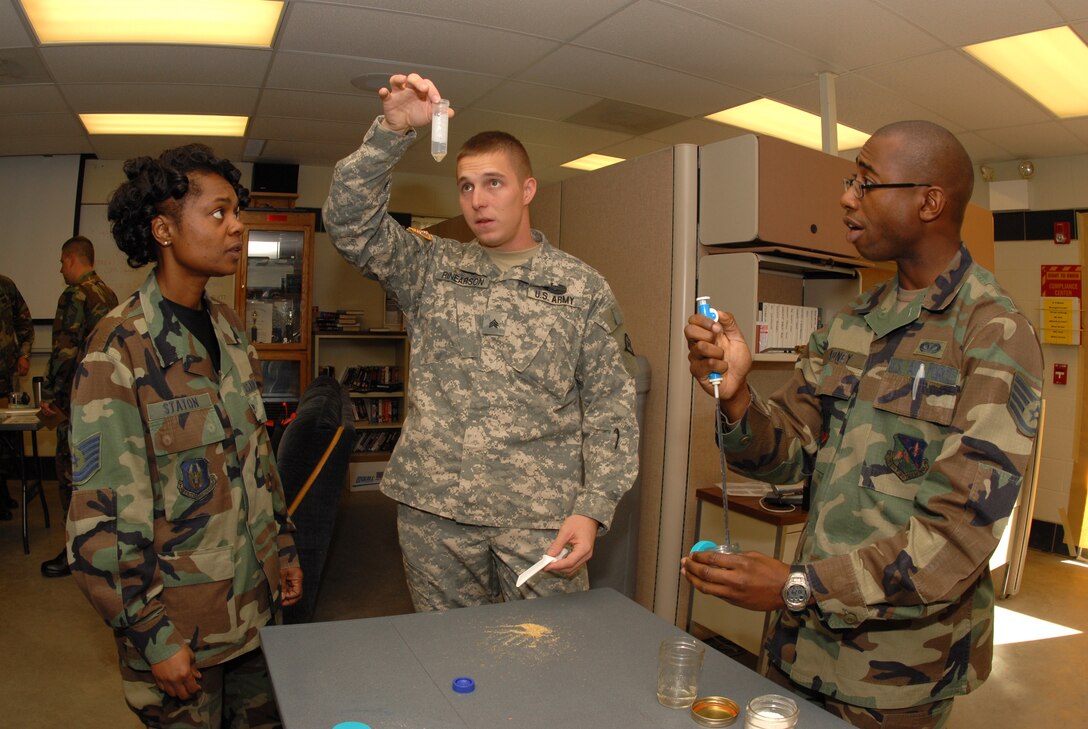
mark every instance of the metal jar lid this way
{"type": "Point", "coordinates": [714, 711]}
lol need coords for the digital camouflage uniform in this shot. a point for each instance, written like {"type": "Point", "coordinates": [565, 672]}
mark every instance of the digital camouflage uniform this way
{"type": "Point", "coordinates": [521, 407]}
{"type": "Point", "coordinates": [79, 308]}
{"type": "Point", "coordinates": [16, 332]}
{"type": "Point", "coordinates": [177, 528]}
{"type": "Point", "coordinates": [917, 428]}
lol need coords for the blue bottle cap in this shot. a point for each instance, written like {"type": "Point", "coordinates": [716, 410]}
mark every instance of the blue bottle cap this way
{"type": "Point", "coordinates": [704, 546]}
{"type": "Point", "coordinates": [351, 725]}
{"type": "Point", "coordinates": [464, 685]}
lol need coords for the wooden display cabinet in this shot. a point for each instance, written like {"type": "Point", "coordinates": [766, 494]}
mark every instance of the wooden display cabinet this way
{"type": "Point", "coordinates": [273, 291]}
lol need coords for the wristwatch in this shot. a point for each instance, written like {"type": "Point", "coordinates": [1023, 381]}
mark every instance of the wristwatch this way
{"type": "Point", "coordinates": [796, 592]}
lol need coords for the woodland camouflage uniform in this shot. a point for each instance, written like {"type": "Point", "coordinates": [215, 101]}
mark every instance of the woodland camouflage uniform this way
{"type": "Point", "coordinates": [917, 427]}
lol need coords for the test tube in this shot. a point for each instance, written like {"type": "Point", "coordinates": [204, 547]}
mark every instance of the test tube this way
{"type": "Point", "coordinates": [440, 129]}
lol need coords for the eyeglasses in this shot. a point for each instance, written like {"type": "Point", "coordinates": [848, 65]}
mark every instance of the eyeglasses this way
{"type": "Point", "coordinates": [861, 187]}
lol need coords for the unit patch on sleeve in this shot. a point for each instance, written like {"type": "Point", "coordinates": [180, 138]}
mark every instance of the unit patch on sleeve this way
{"type": "Point", "coordinates": [421, 233]}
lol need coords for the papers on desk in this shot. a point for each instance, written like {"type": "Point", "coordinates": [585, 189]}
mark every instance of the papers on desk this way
{"type": "Point", "coordinates": [19, 415]}
{"type": "Point", "coordinates": [746, 488]}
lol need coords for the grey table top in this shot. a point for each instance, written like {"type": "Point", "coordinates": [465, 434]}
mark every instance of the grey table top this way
{"type": "Point", "coordinates": [582, 660]}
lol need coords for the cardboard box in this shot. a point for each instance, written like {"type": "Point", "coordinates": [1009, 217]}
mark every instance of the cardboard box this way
{"type": "Point", "coordinates": [366, 475]}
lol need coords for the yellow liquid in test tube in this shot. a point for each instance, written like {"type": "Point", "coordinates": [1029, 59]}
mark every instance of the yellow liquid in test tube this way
{"type": "Point", "coordinates": [440, 130]}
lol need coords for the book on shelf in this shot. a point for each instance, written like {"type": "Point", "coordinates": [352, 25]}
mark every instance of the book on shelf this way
{"type": "Point", "coordinates": [341, 320]}
{"type": "Point", "coordinates": [373, 378]}
{"type": "Point", "coordinates": [377, 441]}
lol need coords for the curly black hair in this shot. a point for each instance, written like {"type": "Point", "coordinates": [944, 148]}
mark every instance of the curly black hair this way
{"type": "Point", "coordinates": [155, 182]}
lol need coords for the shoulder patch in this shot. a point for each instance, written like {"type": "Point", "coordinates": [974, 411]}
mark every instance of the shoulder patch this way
{"type": "Point", "coordinates": [86, 458]}
{"type": "Point", "coordinates": [421, 233]}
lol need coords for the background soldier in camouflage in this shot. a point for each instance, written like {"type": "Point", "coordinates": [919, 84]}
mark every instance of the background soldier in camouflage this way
{"type": "Point", "coordinates": [85, 300]}
{"type": "Point", "coordinates": [16, 338]}
{"type": "Point", "coordinates": [521, 434]}
{"type": "Point", "coordinates": [178, 527]}
{"type": "Point", "coordinates": [913, 416]}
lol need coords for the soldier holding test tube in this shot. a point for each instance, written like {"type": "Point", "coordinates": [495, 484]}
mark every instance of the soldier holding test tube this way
{"type": "Point", "coordinates": [912, 415]}
{"type": "Point", "coordinates": [521, 434]}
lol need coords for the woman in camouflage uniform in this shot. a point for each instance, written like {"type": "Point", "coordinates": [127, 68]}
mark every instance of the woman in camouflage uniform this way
{"type": "Point", "coordinates": [177, 529]}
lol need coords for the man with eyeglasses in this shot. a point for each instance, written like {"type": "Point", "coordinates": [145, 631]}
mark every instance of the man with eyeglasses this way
{"type": "Point", "coordinates": [912, 416]}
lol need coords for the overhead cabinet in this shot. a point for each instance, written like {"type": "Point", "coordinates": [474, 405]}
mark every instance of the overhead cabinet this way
{"type": "Point", "coordinates": [755, 189]}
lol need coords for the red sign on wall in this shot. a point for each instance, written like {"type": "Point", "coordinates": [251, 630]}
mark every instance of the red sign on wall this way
{"type": "Point", "coordinates": [1061, 281]}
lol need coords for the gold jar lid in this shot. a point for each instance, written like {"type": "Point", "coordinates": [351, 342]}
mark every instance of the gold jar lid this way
{"type": "Point", "coordinates": [714, 711]}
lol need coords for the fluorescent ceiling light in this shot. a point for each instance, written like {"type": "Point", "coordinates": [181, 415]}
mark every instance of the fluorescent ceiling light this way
{"type": "Point", "coordinates": [786, 122]}
{"type": "Point", "coordinates": [213, 22]}
{"type": "Point", "coordinates": [592, 162]}
{"type": "Point", "coordinates": [179, 124]}
{"type": "Point", "coordinates": [1048, 65]}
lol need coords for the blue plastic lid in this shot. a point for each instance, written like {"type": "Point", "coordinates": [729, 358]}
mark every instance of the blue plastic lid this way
{"type": "Point", "coordinates": [351, 725]}
{"type": "Point", "coordinates": [704, 546]}
{"type": "Point", "coordinates": [464, 685]}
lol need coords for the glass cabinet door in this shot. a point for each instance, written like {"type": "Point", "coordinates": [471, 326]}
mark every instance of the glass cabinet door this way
{"type": "Point", "coordinates": [274, 274]}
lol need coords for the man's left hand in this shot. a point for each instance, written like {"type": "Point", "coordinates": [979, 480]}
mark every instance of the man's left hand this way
{"type": "Point", "coordinates": [579, 532]}
{"type": "Point", "coordinates": [749, 580]}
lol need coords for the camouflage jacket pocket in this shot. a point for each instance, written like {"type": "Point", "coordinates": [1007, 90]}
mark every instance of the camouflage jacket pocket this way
{"type": "Point", "coordinates": [198, 597]}
{"type": "Point", "coordinates": [547, 353]}
{"type": "Point", "coordinates": [191, 464]}
{"type": "Point", "coordinates": [909, 389]}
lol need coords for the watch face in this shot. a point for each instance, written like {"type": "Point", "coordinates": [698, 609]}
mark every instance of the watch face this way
{"type": "Point", "coordinates": [796, 595]}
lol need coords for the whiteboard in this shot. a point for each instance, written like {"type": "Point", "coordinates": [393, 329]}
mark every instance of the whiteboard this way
{"type": "Point", "coordinates": [112, 265]}
{"type": "Point", "coordinates": [38, 207]}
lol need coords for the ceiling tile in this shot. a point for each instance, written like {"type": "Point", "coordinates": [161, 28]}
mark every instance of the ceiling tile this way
{"type": "Point", "coordinates": [377, 34]}
{"type": "Point", "coordinates": [1077, 127]}
{"type": "Point", "coordinates": [863, 104]}
{"type": "Point", "coordinates": [1071, 10]}
{"type": "Point", "coordinates": [31, 99]}
{"type": "Point", "coordinates": [855, 34]}
{"type": "Point", "coordinates": [12, 146]}
{"type": "Point", "coordinates": [964, 22]}
{"type": "Point", "coordinates": [356, 107]}
{"type": "Point", "coordinates": [694, 131]}
{"type": "Point", "coordinates": [544, 102]}
{"type": "Point", "coordinates": [47, 125]}
{"type": "Point", "coordinates": [157, 64]}
{"type": "Point", "coordinates": [22, 66]}
{"type": "Point", "coordinates": [653, 33]}
{"type": "Point", "coordinates": [307, 130]}
{"type": "Point", "coordinates": [610, 76]}
{"type": "Point", "coordinates": [13, 33]}
{"type": "Point", "coordinates": [560, 19]}
{"type": "Point", "coordinates": [967, 93]}
{"type": "Point", "coordinates": [981, 150]}
{"type": "Point", "coordinates": [1049, 139]}
{"type": "Point", "coordinates": [315, 72]}
{"type": "Point", "coordinates": [159, 98]}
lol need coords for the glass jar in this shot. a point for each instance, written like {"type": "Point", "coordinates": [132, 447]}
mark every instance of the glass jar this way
{"type": "Point", "coordinates": [771, 711]}
{"type": "Point", "coordinates": [679, 661]}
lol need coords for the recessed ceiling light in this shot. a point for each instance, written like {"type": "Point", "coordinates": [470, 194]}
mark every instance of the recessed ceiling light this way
{"type": "Point", "coordinates": [592, 162]}
{"type": "Point", "coordinates": [180, 124]}
{"type": "Point", "coordinates": [214, 22]}
{"type": "Point", "coordinates": [773, 118]}
{"type": "Point", "coordinates": [1049, 65]}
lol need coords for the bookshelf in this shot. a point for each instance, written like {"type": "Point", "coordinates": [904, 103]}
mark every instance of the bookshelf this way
{"type": "Point", "coordinates": [374, 369]}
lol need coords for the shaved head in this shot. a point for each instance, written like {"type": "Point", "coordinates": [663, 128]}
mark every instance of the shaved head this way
{"type": "Point", "coordinates": [932, 154]}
